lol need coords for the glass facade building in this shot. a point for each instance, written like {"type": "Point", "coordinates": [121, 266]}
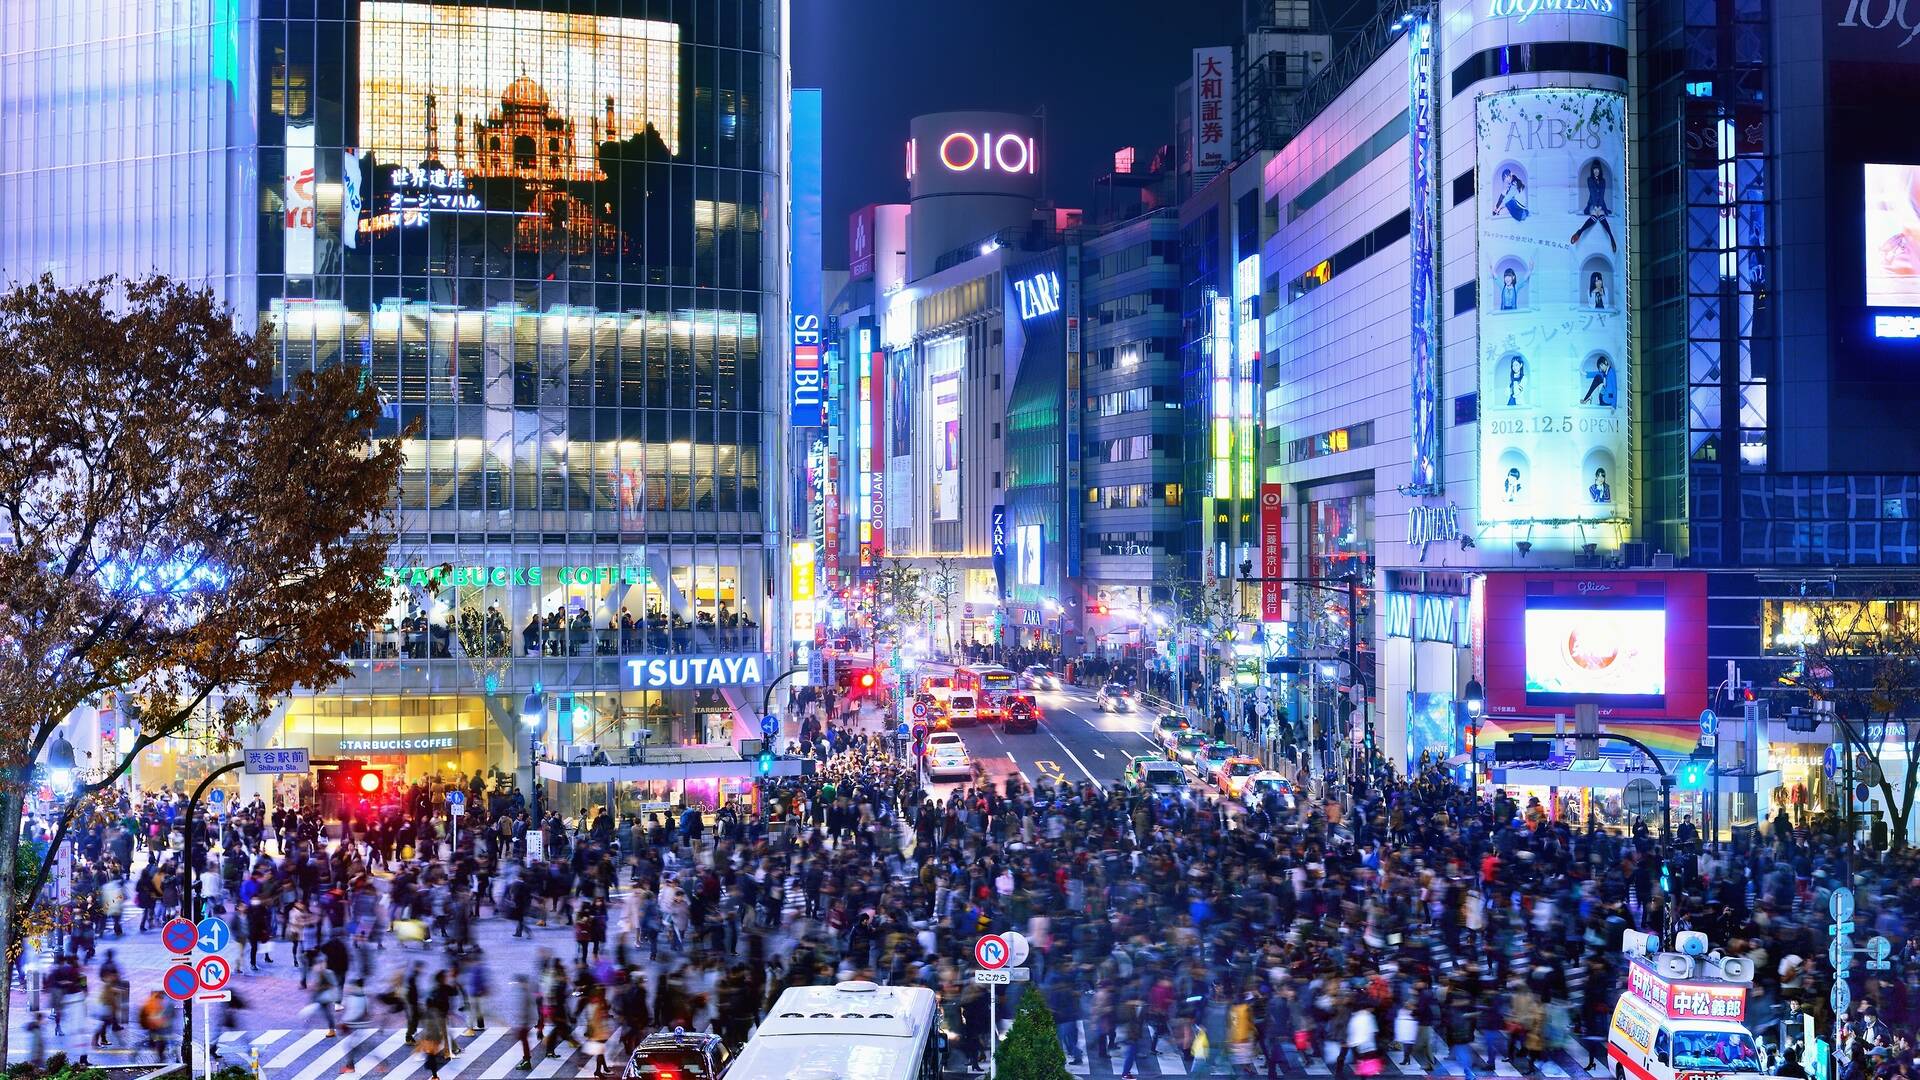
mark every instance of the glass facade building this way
{"type": "Point", "coordinates": [548, 232]}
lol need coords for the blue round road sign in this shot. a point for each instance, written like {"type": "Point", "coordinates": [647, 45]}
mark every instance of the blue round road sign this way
{"type": "Point", "coordinates": [214, 935]}
{"type": "Point", "coordinates": [902, 730]}
{"type": "Point", "coordinates": [1830, 761]}
{"type": "Point", "coordinates": [180, 982]}
{"type": "Point", "coordinates": [179, 936]}
{"type": "Point", "coordinates": [1709, 722]}
{"type": "Point", "coordinates": [456, 797]}
{"type": "Point", "coordinates": [217, 796]}
{"type": "Point", "coordinates": [769, 727]}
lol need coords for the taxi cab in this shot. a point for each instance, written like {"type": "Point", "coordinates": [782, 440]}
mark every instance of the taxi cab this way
{"type": "Point", "coordinates": [1683, 1015]}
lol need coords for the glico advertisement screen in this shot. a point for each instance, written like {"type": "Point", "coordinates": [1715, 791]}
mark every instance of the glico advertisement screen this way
{"type": "Point", "coordinates": [1632, 643]}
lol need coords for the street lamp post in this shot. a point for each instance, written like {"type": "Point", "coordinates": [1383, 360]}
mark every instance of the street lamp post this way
{"type": "Point", "coordinates": [533, 717]}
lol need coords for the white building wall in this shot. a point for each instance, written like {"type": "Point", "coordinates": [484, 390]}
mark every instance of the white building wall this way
{"type": "Point", "coordinates": [1339, 356]}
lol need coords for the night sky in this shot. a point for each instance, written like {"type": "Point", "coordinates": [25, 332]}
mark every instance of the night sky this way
{"type": "Point", "coordinates": [1104, 70]}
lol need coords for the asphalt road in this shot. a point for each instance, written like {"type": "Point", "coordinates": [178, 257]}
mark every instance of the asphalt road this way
{"type": "Point", "coordinates": [1075, 743]}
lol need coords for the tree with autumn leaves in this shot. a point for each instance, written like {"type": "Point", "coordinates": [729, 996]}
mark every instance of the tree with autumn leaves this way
{"type": "Point", "coordinates": [183, 529]}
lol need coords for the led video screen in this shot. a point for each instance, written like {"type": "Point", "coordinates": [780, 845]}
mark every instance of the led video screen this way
{"type": "Point", "coordinates": [1617, 653]}
{"type": "Point", "coordinates": [1893, 235]}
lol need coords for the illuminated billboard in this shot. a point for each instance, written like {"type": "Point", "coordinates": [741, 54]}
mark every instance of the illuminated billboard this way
{"type": "Point", "coordinates": [1555, 374]}
{"type": "Point", "coordinates": [1596, 652]}
{"type": "Point", "coordinates": [1893, 236]}
{"type": "Point", "coordinates": [490, 110]}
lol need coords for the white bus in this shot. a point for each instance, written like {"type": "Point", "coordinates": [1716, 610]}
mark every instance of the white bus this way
{"type": "Point", "coordinates": [853, 1029]}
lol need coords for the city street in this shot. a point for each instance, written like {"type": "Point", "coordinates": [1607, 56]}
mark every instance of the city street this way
{"type": "Point", "coordinates": [1075, 743]}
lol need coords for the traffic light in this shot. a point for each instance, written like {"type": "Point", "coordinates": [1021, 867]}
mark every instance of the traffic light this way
{"type": "Point", "coordinates": [1746, 691]}
{"type": "Point", "coordinates": [764, 766]}
{"type": "Point", "coordinates": [1691, 775]}
{"type": "Point", "coordinates": [371, 781]}
{"type": "Point", "coordinates": [866, 680]}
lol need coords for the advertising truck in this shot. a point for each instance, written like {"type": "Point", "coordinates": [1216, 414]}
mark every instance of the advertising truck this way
{"type": "Point", "coordinates": [1683, 1014]}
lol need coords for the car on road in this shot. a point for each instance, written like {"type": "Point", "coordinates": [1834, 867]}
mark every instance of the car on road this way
{"type": "Point", "coordinates": [1170, 724]}
{"type": "Point", "coordinates": [1022, 713]}
{"type": "Point", "coordinates": [1157, 777]}
{"type": "Point", "coordinates": [1186, 748]}
{"type": "Point", "coordinates": [679, 1055]}
{"type": "Point", "coordinates": [1038, 677]}
{"type": "Point", "coordinates": [1209, 759]}
{"type": "Point", "coordinates": [1265, 785]}
{"type": "Point", "coordinates": [947, 756]}
{"type": "Point", "coordinates": [1232, 775]}
{"type": "Point", "coordinates": [1113, 697]}
{"type": "Point", "coordinates": [962, 710]}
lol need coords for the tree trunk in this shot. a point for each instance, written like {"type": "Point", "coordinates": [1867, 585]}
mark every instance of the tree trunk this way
{"type": "Point", "coordinates": [12, 796]}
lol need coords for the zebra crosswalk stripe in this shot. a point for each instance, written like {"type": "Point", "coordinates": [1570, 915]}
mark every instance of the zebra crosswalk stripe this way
{"type": "Point", "coordinates": [299, 1046]}
{"type": "Point", "coordinates": [472, 1051]}
{"type": "Point", "coordinates": [335, 1050]}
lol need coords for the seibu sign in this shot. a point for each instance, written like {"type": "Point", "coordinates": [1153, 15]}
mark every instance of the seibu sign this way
{"type": "Point", "coordinates": [1687, 999]}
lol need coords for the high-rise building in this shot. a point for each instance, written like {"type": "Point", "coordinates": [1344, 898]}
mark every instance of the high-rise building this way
{"type": "Point", "coordinates": [552, 238]}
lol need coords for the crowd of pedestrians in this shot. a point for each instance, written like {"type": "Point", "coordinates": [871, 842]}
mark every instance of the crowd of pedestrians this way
{"type": "Point", "coordinates": [1402, 918]}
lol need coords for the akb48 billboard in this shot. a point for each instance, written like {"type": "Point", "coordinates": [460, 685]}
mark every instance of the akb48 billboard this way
{"type": "Point", "coordinates": [1553, 243]}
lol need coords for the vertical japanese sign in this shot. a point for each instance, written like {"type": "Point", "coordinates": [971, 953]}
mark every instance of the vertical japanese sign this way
{"type": "Point", "coordinates": [860, 227]}
{"type": "Point", "coordinates": [804, 383]}
{"type": "Point", "coordinates": [800, 588]}
{"type": "Point", "coordinates": [1212, 111]}
{"type": "Point", "coordinates": [1272, 553]}
{"type": "Point", "coordinates": [1423, 283]}
{"type": "Point", "coordinates": [876, 458]}
{"type": "Point", "coordinates": [1074, 496]}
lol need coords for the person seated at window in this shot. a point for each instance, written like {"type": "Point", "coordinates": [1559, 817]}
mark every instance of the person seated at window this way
{"type": "Point", "coordinates": [703, 618]}
{"type": "Point", "coordinates": [531, 635]}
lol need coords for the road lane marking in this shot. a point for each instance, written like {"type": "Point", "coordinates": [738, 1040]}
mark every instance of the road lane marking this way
{"type": "Point", "coordinates": [472, 1050]}
{"type": "Point", "coordinates": [1071, 757]}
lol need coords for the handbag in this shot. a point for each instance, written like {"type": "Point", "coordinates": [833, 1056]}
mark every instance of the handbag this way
{"type": "Point", "coordinates": [1405, 1029]}
{"type": "Point", "coordinates": [1367, 1066]}
{"type": "Point", "coordinates": [1302, 1041]}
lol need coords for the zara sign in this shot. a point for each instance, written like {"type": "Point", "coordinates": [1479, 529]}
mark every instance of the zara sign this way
{"type": "Point", "coordinates": [1039, 295]}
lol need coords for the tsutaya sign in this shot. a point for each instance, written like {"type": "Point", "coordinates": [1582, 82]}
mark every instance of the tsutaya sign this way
{"type": "Point", "coordinates": [695, 672]}
{"type": "Point", "coordinates": [396, 576]}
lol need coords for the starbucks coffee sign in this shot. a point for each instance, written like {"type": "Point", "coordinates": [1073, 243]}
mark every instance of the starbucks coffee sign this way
{"type": "Point", "coordinates": [502, 576]}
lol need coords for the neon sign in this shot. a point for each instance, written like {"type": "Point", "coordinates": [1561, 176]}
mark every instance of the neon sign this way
{"type": "Point", "coordinates": [1521, 10]}
{"type": "Point", "coordinates": [963, 151]}
{"type": "Point", "coordinates": [1039, 295]}
{"type": "Point", "coordinates": [1897, 327]}
{"type": "Point", "coordinates": [695, 672]}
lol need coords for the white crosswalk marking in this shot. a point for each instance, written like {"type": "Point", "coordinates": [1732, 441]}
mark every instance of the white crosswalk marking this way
{"type": "Point", "coordinates": [1552, 1071]}
{"type": "Point", "coordinates": [294, 1050]}
{"type": "Point", "coordinates": [408, 1067]}
{"type": "Point", "coordinates": [393, 1041]}
{"type": "Point", "coordinates": [550, 1066]}
{"type": "Point", "coordinates": [1170, 1063]}
{"type": "Point", "coordinates": [268, 1038]}
{"type": "Point", "coordinates": [471, 1051]}
{"type": "Point", "coordinates": [502, 1066]}
{"type": "Point", "coordinates": [335, 1050]}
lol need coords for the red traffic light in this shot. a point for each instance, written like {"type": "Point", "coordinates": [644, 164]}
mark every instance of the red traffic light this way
{"type": "Point", "coordinates": [370, 782]}
{"type": "Point", "coordinates": [1746, 691]}
{"type": "Point", "coordinates": [866, 680]}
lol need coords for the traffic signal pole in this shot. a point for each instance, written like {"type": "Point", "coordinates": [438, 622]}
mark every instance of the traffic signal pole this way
{"type": "Point", "coordinates": [191, 887]}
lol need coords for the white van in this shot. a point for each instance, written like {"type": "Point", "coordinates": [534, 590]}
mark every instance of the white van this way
{"type": "Point", "coordinates": [1682, 1015]}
